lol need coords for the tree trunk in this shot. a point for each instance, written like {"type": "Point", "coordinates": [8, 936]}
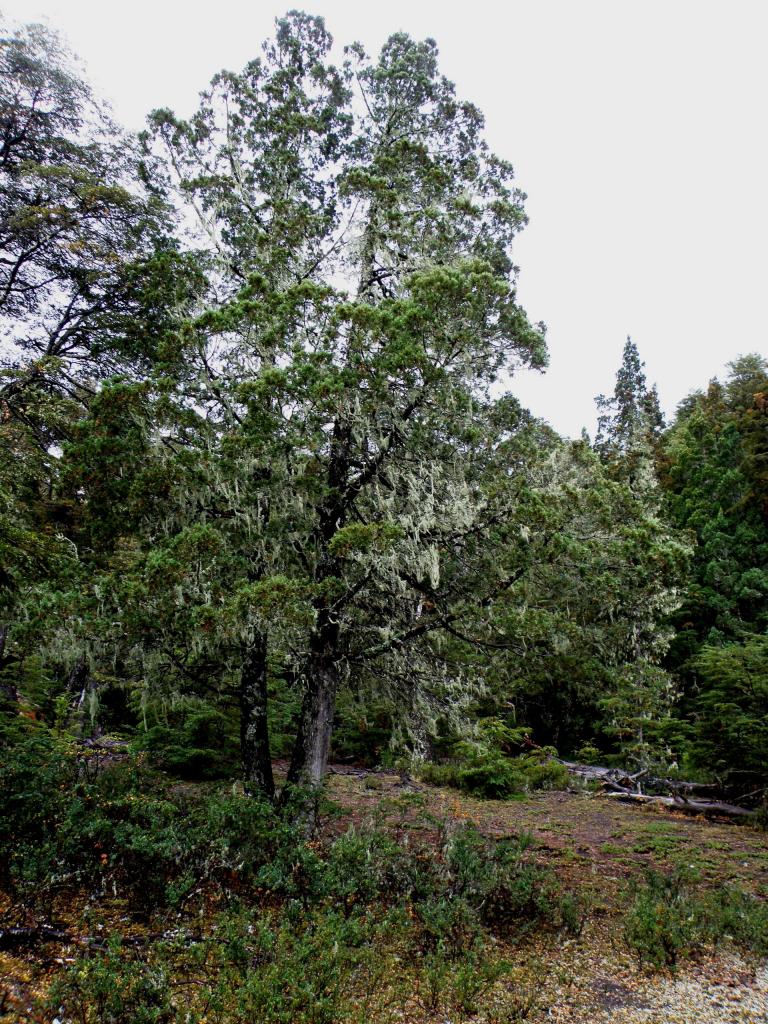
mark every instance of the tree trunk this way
{"type": "Point", "coordinates": [254, 729]}
{"type": "Point", "coordinates": [80, 685]}
{"type": "Point", "coordinates": [309, 761]}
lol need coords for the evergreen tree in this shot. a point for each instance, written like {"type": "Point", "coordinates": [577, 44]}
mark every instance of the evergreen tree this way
{"type": "Point", "coordinates": [90, 283]}
{"type": "Point", "coordinates": [630, 423]}
{"type": "Point", "coordinates": [628, 442]}
{"type": "Point", "coordinates": [730, 737]}
{"type": "Point", "coordinates": [716, 454]}
{"type": "Point", "coordinates": [581, 632]}
{"type": "Point", "coordinates": [330, 454]}
{"type": "Point", "coordinates": [716, 483]}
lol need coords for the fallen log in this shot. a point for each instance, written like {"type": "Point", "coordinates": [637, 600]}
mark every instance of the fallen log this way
{"type": "Point", "coordinates": [632, 783]}
{"type": "Point", "coordinates": [680, 795]}
{"type": "Point", "coordinates": [694, 807]}
{"type": "Point", "coordinates": [16, 938]}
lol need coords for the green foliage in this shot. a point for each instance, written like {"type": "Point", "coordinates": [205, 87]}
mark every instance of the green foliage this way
{"type": "Point", "coordinates": [729, 913]}
{"type": "Point", "coordinates": [257, 467]}
{"type": "Point", "coordinates": [363, 731]}
{"type": "Point", "coordinates": [660, 924]}
{"type": "Point", "coordinates": [343, 456]}
{"type": "Point", "coordinates": [115, 988]}
{"type": "Point", "coordinates": [669, 919]}
{"type": "Point", "coordinates": [596, 570]}
{"type": "Point", "coordinates": [716, 485]}
{"type": "Point", "coordinates": [731, 732]}
{"type": "Point", "coordinates": [190, 738]}
{"type": "Point", "coordinates": [348, 920]}
{"type": "Point", "coordinates": [639, 716]}
{"type": "Point", "coordinates": [37, 774]}
{"type": "Point", "coordinates": [89, 272]}
{"type": "Point", "coordinates": [630, 424]}
{"type": "Point", "coordinates": [121, 830]}
{"type": "Point", "coordinates": [487, 766]}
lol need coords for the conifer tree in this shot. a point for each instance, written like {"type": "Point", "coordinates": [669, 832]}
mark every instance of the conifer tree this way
{"type": "Point", "coordinates": [330, 445]}
{"type": "Point", "coordinates": [90, 283]}
{"type": "Point", "coordinates": [630, 422]}
{"type": "Point", "coordinates": [628, 442]}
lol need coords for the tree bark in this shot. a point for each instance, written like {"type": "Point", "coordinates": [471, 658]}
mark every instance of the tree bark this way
{"type": "Point", "coordinates": [309, 761]}
{"type": "Point", "coordinates": [80, 685]}
{"type": "Point", "coordinates": [254, 729]}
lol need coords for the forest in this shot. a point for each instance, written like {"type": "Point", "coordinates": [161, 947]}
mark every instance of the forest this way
{"type": "Point", "coordinates": [278, 545]}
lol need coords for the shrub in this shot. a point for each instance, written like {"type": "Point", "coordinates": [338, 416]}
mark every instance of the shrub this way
{"type": "Point", "coordinates": [192, 740]}
{"type": "Point", "coordinates": [668, 919]}
{"type": "Point", "coordinates": [660, 925]}
{"type": "Point", "coordinates": [730, 913]}
{"type": "Point", "coordinates": [37, 773]}
{"type": "Point", "coordinates": [492, 767]}
{"type": "Point", "coordinates": [114, 989]}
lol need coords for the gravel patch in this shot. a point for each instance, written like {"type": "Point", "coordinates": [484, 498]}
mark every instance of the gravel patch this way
{"type": "Point", "coordinates": [723, 988]}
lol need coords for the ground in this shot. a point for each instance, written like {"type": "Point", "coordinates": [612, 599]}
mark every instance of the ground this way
{"type": "Point", "coordinates": [598, 846]}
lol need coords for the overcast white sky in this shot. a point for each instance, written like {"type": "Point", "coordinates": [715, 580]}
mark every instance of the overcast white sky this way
{"type": "Point", "coordinates": [637, 128]}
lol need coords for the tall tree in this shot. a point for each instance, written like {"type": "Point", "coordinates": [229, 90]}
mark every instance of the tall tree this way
{"type": "Point", "coordinates": [90, 283]}
{"type": "Point", "coordinates": [576, 639]}
{"type": "Point", "coordinates": [335, 438]}
{"type": "Point", "coordinates": [716, 483]}
{"type": "Point", "coordinates": [716, 480]}
{"type": "Point", "coordinates": [628, 442]}
{"type": "Point", "coordinates": [630, 422]}
{"type": "Point", "coordinates": [85, 254]}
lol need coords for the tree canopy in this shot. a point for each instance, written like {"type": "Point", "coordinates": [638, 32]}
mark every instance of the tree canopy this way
{"type": "Point", "coordinates": [263, 472]}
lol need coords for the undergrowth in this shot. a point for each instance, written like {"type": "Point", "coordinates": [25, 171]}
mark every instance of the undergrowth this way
{"type": "Point", "coordinates": [671, 917]}
{"type": "Point", "coordinates": [258, 921]}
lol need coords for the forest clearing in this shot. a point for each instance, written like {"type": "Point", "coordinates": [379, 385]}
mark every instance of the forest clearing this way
{"type": "Point", "coordinates": [538, 964]}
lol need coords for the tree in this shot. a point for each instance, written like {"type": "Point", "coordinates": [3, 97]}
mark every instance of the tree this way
{"type": "Point", "coordinates": [630, 422]}
{"type": "Point", "coordinates": [86, 260]}
{"type": "Point", "coordinates": [716, 454]}
{"type": "Point", "coordinates": [628, 442]}
{"type": "Point", "coordinates": [577, 638]}
{"type": "Point", "coordinates": [731, 734]}
{"type": "Point", "coordinates": [331, 447]}
{"type": "Point", "coordinates": [716, 483]}
{"type": "Point", "coordinates": [90, 284]}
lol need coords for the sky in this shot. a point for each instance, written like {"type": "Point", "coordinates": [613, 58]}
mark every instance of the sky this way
{"type": "Point", "coordinates": [637, 128]}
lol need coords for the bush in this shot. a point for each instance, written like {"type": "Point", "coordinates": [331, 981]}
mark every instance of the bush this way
{"type": "Point", "coordinates": [305, 975]}
{"type": "Point", "coordinates": [125, 830]}
{"type": "Point", "coordinates": [114, 989]}
{"type": "Point", "coordinates": [494, 775]}
{"type": "Point", "coordinates": [731, 913]}
{"type": "Point", "coordinates": [660, 925]}
{"type": "Point", "coordinates": [192, 740]}
{"type": "Point", "coordinates": [37, 776]}
{"type": "Point", "coordinates": [492, 765]}
{"type": "Point", "coordinates": [668, 919]}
